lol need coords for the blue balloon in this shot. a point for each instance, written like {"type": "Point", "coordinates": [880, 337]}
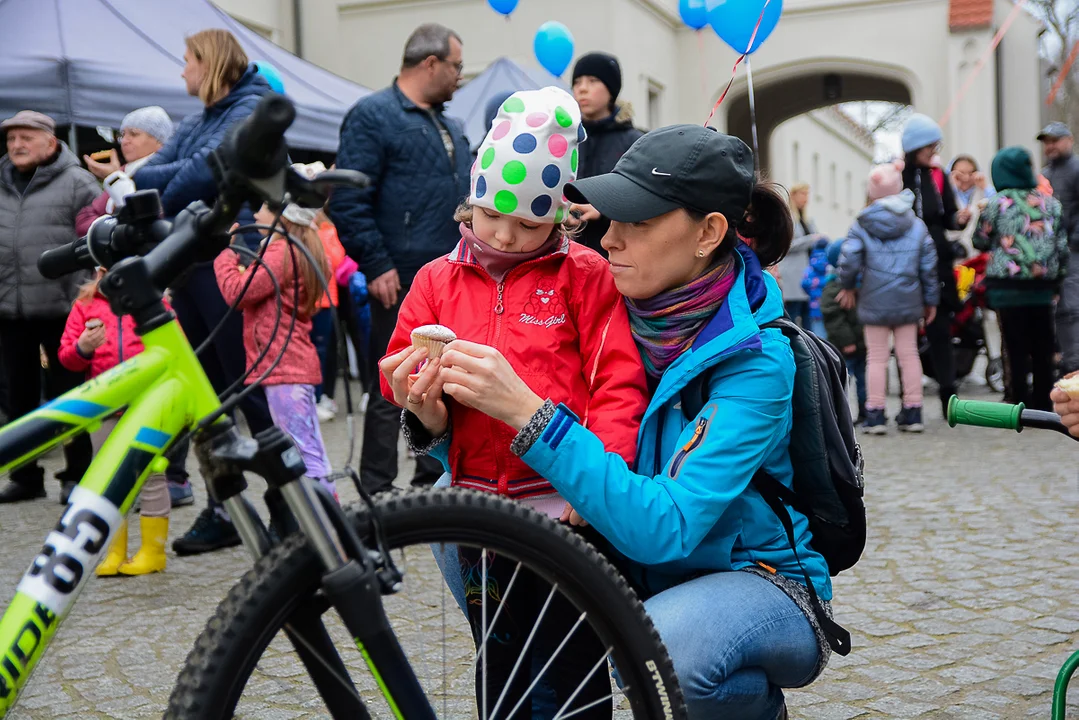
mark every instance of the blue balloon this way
{"type": "Point", "coordinates": [503, 6]}
{"type": "Point", "coordinates": [734, 20]}
{"type": "Point", "coordinates": [694, 13]}
{"type": "Point", "coordinates": [554, 47]}
{"type": "Point", "coordinates": [271, 75]}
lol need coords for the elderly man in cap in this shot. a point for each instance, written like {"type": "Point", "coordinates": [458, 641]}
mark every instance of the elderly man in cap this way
{"type": "Point", "coordinates": [42, 187]}
{"type": "Point", "coordinates": [1062, 172]}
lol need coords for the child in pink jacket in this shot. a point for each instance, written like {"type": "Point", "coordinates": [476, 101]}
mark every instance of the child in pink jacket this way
{"type": "Point", "coordinates": [96, 340]}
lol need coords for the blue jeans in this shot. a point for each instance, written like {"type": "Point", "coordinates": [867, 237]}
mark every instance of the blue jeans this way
{"type": "Point", "coordinates": [856, 368]}
{"type": "Point", "coordinates": [816, 326]}
{"type": "Point", "coordinates": [735, 640]}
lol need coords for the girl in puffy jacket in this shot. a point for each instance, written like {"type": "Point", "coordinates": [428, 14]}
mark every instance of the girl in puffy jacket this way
{"type": "Point", "coordinates": [550, 306]}
{"type": "Point", "coordinates": [96, 340]}
{"type": "Point", "coordinates": [890, 250]}
{"type": "Point", "coordinates": [290, 386]}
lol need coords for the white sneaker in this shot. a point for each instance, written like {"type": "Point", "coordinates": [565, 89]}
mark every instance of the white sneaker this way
{"type": "Point", "coordinates": [364, 399]}
{"type": "Point", "coordinates": [326, 409]}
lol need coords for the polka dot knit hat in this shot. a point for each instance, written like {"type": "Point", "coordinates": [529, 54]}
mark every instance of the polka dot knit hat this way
{"type": "Point", "coordinates": [529, 154]}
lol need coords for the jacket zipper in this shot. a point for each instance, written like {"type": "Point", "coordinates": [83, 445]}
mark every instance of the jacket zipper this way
{"type": "Point", "coordinates": [693, 444]}
{"type": "Point", "coordinates": [503, 477]}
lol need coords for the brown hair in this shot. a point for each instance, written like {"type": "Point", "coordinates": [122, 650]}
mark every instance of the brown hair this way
{"type": "Point", "coordinates": [88, 289]}
{"type": "Point", "coordinates": [464, 213]}
{"type": "Point", "coordinates": [311, 289]}
{"type": "Point", "coordinates": [225, 62]}
{"type": "Point", "coordinates": [766, 227]}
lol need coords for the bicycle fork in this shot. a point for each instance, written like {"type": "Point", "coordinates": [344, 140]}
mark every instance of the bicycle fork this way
{"type": "Point", "coordinates": [351, 582]}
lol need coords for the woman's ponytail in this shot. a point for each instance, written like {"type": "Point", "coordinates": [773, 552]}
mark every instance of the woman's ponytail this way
{"type": "Point", "coordinates": [767, 226]}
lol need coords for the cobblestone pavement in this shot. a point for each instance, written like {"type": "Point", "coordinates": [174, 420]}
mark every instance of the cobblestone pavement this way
{"type": "Point", "coordinates": [964, 606]}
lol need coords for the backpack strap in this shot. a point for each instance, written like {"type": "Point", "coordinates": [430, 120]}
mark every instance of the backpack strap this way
{"type": "Point", "coordinates": [768, 487]}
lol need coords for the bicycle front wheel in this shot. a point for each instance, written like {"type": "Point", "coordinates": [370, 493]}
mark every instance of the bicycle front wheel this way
{"type": "Point", "coordinates": [241, 662]}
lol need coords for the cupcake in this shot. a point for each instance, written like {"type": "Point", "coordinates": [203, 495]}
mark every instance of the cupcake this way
{"type": "Point", "coordinates": [434, 338]}
{"type": "Point", "coordinates": [1070, 385]}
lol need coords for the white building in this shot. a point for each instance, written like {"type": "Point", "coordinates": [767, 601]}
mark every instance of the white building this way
{"type": "Point", "coordinates": [823, 52]}
{"type": "Point", "coordinates": [831, 152]}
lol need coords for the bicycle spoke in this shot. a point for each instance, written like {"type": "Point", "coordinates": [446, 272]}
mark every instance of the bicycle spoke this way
{"type": "Point", "coordinates": [550, 661]}
{"type": "Point", "coordinates": [483, 624]}
{"type": "Point", "coordinates": [413, 621]}
{"type": "Point", "coordinates": [602, 661]}
{"type": "Point", "coordinates": [589, 706]}
{"type": "Point", "coordinates": [498, 611]}
{"type": "Point", "coordinates": [524, 652]}
{"type": "Point", "coordinates": [348, 685]}
{"type": "Point", "coordinates": [445, 691]}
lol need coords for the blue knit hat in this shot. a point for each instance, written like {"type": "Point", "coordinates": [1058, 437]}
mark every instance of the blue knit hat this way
{"type": "Point", "coordinates": [833, 252]}
{"type": "Point", "coordinates": [919, 132]}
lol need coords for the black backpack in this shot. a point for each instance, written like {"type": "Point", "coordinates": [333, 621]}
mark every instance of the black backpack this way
{"type": "Point", "coordinates": [827, 461]}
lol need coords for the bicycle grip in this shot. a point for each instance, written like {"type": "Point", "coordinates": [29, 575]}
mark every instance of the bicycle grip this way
{"type": "Point", "coordinates": [258, 145]}
{"type": "Point", "coordinates": [64, 260]}
{"type": "Point", "coordinates": [984, 414]}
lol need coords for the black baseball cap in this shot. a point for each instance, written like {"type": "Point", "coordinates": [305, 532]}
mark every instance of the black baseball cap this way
{"type": "Point", "coordinates": [679, 166]}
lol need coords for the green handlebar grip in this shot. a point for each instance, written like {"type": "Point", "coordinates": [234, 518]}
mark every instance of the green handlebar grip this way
{"type": "Point", "coordinates": [984, 414]}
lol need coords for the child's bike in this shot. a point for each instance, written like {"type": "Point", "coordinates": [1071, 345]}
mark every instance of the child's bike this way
{"type": "Point", "coordinates": [316, 556]}
{"type": "Point", "coordinates": [1017, 417]}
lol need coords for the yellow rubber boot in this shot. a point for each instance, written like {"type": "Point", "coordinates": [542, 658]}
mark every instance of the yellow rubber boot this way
{"type": "Point", "coordinates": [151, 556]}
{"type": "Point", "coordinates": [116, 555]}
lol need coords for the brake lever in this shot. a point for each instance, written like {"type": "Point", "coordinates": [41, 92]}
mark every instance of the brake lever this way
{"type": "Point", "coordinates": [314, 192]}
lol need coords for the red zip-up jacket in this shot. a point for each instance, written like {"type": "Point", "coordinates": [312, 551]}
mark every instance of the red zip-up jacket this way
{"type": "Point", "coordinates": [121, 342]}
{"type": "Point", "coordinates": [562, 325]}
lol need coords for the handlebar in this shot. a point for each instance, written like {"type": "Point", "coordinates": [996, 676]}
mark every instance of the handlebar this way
{"type": "Point", "coordinates": [250, 166]}
{"type": "Point", "coordinates": [980, 413]}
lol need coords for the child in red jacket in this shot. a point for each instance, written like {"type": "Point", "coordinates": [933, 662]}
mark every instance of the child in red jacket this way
{"type": "Point", "coordinates": [517, 283]}
{"type": "Point", "coordinates": [95, 340]}
{"type": "Point", "coordinates": [290, 387]}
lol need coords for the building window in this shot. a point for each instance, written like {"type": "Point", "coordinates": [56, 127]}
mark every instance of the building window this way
{"type": "Point", "coordinates": [816, 178]}
{"type": "Point", "coordinates": [850, 194]}
{"type": "Point", "coordinates": [796, 174]}
{"type": "Point", "coordinates": [655, 94]}
{"type": "Point", "coordinates": [832, 187]}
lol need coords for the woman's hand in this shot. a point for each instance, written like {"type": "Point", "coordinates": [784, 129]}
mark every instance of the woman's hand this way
{"type": "Point", "coordinates": [569, 515]}
{"type": "Point", "coordinates": [102, 170]}
{"type": "Point", "coordinates": [481, 378]}
{"type": "Point", "coordinates": [847, 299]}
{"type": "Point", "coordinates": [1067, 408]}
{"type": "Point", "coordinates": [423, 397]}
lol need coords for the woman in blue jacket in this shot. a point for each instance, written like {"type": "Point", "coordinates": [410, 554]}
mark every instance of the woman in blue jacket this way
{"type": "Point", "coordinates": [722, 583]}
{"type": "Point", "coordinates": [217, 71]}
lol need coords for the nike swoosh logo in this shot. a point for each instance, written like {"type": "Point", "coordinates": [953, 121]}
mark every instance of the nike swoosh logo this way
{"type": "Point", "coordinates": [655, 171]}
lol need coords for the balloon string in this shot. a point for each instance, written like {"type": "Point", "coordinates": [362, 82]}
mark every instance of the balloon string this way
{"type": "Point", "coordinates": [753, 115]}
{"type": "Point", "coordinates": [734, 70]}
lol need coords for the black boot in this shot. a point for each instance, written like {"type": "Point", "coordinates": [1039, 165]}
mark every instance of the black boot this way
{"type": "Point", "coordinates": [17, 492]}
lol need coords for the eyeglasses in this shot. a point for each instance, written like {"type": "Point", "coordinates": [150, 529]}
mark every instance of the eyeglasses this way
{"type": "Point", "coordinates": [458, 66]}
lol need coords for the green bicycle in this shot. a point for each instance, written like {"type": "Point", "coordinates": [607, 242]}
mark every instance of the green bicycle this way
{"type": "Point", "coordinates": [318, 556]}
{"type": "Point", "coordinates": [1017, 418]}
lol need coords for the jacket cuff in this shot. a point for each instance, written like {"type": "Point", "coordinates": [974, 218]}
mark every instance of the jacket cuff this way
{"type": "Point", "coordinates": [83, 355]}
{"type": "Point", "coordinates": [536, 428]}
{"type": "Point", "coordinates": [372, 268]}
{"type": "Point", "coordinates": [418, 438]}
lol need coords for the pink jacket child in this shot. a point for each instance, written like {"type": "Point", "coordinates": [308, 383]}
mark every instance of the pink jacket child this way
{"type": "Point", "coordinates": [300, 365]}
{"type": "Point", "coordinates": [121, 342]}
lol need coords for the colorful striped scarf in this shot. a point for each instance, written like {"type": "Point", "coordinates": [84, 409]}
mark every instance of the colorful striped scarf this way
{"type": "Point", "coordinates": [666, 325]}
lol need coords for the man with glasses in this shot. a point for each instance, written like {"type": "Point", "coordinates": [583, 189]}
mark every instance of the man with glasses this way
{"type": "Point", "coordinates": [418, 160]}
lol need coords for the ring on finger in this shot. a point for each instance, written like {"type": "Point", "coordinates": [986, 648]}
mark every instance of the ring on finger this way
{"type": "Point", "coordinates": [412, 401]}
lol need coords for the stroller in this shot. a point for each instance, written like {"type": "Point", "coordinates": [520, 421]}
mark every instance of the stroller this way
{"type": "Point", "coordinates": [969, 339]}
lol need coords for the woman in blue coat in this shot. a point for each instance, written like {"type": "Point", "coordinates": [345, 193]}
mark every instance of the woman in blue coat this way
{"type": "Point", "coordinates": [217, 71]}
{"type": "Point", "coordinates": [721, 581]}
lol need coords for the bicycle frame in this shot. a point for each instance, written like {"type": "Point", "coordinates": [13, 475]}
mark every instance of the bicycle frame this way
{"type": "Point", "coordinates": [164, 390]}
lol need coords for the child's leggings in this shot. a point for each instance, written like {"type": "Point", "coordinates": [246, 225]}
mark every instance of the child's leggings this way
{"type": "Point", "coordinates": [910, 365]}
{"type": "Point", "coordinates": [155, 491]}
{"type": "Point", "coordinates": [292, 408]}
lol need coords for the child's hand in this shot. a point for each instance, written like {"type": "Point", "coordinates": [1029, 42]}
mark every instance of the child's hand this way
{"type": "Point", "coordinates": [850, 349]}
{"type": "Point", "coordinates": [421, 396]}
{"type": "Point", "coordinates": [569, 515]}
{"type": "Point", "coordinates": [930, 314]}
{"type": "Point", "coordinates": [1067, 408]}
{"type": "Point", "coordinates": [91, 339]}
{"type": "Point", "coordinates": [847, 299]}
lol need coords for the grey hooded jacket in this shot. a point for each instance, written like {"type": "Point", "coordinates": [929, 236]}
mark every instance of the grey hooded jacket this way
{"type": "Point", "coordinates": [890, 250]}
{"type": "Point", "coordinates": [40, 219]}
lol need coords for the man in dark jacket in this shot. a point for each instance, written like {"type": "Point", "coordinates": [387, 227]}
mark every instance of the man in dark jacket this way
{"type": "Point", "coordinates": [42, 187]}
{"type": "Point", "coordinates": [419, 161]}
{"type": "Point", "coordinates": [597, 80]}
{"type": "Point", "coordinates": [1062, 172]}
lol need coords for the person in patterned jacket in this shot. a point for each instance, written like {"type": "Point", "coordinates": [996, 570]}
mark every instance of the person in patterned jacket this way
{"type": "Point", "coordinates": [1021, 228]}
